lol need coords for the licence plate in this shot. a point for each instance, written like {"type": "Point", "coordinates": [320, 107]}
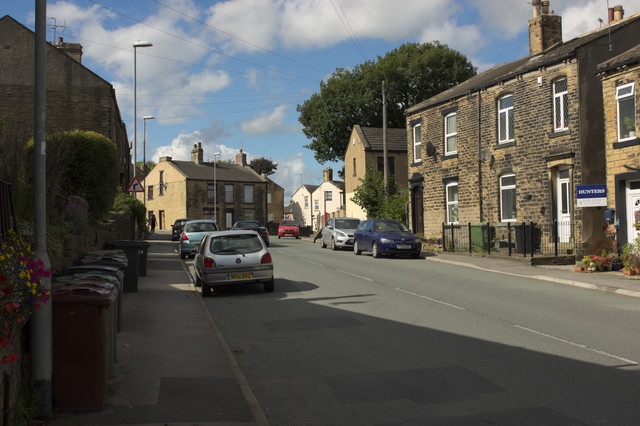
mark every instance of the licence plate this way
{"type": "Point", "coordinates": [244, 276]}
{"type": "Point", "coordinates": [403, 246]}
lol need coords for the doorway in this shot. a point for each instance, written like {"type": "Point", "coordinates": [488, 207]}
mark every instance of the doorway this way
{"type": "Point", "coordinates": [417, 212]}
{"type": "Point", "coordinates": [563, 204]}
{"type": "Point", "coordinates": [633, 209]}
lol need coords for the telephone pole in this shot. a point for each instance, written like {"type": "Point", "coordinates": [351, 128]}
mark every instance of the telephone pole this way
{"type": "Point", "coordinates": [384, 138]}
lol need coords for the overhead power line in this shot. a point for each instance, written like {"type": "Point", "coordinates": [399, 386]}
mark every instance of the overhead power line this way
{"type": "Point", "coordinates": [347, 27]}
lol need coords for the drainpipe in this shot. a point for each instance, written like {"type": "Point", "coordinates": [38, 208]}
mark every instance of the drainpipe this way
{"type": "Point", "coordinates": [480, 156]}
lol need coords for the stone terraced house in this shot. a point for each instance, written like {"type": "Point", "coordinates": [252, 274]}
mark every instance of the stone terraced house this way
{"type": "Point", "coordinates": [620, 81]}
{"type": "Point", "coordinates": [512, 143]}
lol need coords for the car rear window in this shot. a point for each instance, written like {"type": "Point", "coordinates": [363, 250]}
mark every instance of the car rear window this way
{"type": "Point", "coordinates": [289, 223]}
{"type": "Point", "coordinates": [234, 244]}
{"type": "Point", "coordinates": [201, 227]}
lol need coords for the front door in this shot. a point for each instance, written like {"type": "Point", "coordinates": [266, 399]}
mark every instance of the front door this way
{"type": "Point", "coordinates": [417, 210]}
{"type": "Point", "coordinates": [633, 210]}
{"type": "Point", "coordinates": [564, 205]}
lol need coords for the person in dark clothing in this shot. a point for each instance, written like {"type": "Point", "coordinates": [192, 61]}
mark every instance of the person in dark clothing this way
{"type": "Point", "coordinates": [153, 223]}
{"type": "Point", "coordinates": [318, 235]}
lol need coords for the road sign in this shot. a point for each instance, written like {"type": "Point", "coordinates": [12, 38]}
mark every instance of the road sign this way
{"type": "Point", "coordinates": [135, 186]}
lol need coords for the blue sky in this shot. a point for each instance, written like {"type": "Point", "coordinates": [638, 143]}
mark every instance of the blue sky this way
{"type": "Point", "coordinates": [230, 74]}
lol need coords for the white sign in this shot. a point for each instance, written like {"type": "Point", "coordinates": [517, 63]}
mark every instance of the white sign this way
{"type": "Point", "coordinates": [135, 186]}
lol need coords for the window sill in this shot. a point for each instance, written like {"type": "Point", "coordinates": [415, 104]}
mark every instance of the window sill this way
{"type": "Point", "coordinates": [560, 134]}
{"type": "Point", "coordinates": [449, 156]}
{"type": "Point", "coordinates": [624, 144]}
{"type": "Point", "coordinates": [418, 163]}
{"type": "Point", "coordinates": [505, 145]}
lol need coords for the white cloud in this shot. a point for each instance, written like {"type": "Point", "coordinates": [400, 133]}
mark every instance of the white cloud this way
{"type": "Point", "coordinates": [270, 122]}
{"type": "Point", "coordinates": [290, 173]}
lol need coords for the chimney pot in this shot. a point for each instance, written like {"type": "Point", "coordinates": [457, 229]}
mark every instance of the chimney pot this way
{"type": "Point", "coordinates": [618, 13]}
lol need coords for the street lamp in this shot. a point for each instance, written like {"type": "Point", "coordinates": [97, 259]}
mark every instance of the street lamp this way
{"type": "Point", "coordinates": [144, 155]}
{"type": "Point", "coordinates": [215, 189]}
{"type": "Point", "coordinates": [136, 44]}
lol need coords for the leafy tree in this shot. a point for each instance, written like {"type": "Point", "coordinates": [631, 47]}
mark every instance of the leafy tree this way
{"type": "Point", "coordinates": [413, 73]}
{"type": "Point", "coordinates": [370, 195]}
{"type": "Point", "coordinates": [127, 203]}
{"type": "Point", "coordinates": [263, 166]}
{"type": "Point", "coordinates": [140, 169]}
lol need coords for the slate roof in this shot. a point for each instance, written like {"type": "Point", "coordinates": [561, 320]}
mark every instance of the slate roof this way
{"type": "Point", "coordinates": [509, 70]}
{"type": "Point", "coordinates": [372, 138]}
{"type": "Point", "coordinates": [224, 171]}
{"type": "Point", "coordinates": [630, 56]}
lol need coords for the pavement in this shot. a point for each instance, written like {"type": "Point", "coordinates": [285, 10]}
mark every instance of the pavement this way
{"type": "Point", "coordinates": [173, 367]}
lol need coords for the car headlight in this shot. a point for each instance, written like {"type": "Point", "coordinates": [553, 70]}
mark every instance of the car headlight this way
{"type": "Point", "coordinates": [386, 241]}
{"type": "Point", "coordinates": [417, 241]}
{"type": "Point", "coordinates": [341, 234]}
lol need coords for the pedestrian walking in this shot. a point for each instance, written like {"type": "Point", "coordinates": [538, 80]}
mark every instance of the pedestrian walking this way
{"type": "Point", "coordinates": [153, 223]}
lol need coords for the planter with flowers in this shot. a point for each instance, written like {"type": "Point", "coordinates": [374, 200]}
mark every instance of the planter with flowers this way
{"type": "Point", "coordinates": [21, 289]}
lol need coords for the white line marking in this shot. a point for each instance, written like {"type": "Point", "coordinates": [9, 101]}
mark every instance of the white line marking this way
{"type": "Point", "coordinates": [433, 300]}
{"type": "Point", "coordinates": [354, 275]}
{"type": "Point", "coordinates": [578, 345]}
{"type": "Point", "coordinates": [313, 263]}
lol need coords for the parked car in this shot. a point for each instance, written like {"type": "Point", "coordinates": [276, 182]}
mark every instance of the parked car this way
{"type": "Point", "coordinates": [386, 236]}
{"type": "Point", "coordinates": [192, 234]}
{"type": "Point", "coordinates": [176, 228]}
{"type": "Point", "coordinates": [253, 225]}
{"type": "Point", "coordinates": [231, 258]}
{"type": "Point", "coordinates": [288, 228]}
{"type": "Point", "coordinates": [337, 232]}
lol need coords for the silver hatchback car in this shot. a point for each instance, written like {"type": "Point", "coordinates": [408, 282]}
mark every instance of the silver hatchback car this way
{"type": "Point", "coordinates": [231, 258]}
{"type": "Point", "coordinates": [337, 232]}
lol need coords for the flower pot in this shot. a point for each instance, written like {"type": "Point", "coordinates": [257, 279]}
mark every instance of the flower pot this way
{"type": "Point", "coordinates": [636, 269]}
{"type": "Point", "coordinates": [579, 268]}
{"type": "Point", "coordinates": [629, 272]}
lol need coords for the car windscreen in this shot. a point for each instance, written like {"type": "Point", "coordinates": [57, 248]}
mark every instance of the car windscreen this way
{"type": "Point", "coordinates": [200, 227]}
{"type": "Point", "coordinates": [390, 227]}
{"type": "Point", "coordinates": [245, 225]}
{"type": "Point", "coordinates": [288, 223]}
{"type": "Point", "coordinates": [235, 244]}
{"type": "Point", "coordinates": [347, 223]}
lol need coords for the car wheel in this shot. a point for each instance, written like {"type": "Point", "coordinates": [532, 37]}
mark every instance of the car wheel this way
{"type": "Point", "coordinates": [183, 255]}
{"type": "Point", "coordinates": [198, 282]}
{"type": "Point", "coordinates": [333, 244]}
{"type": "Point", "coordinates": [415, 255]}
{"type": "Point", "coordinates": [278, 236]}
{"type": "Point", "coordinates": [267, 244]}
{"type": "Point", "coordinates": [206, 290]}
{"type": "Point", "coordinates": [356, 250]}
{"type": "Point", "coordinates": [269, 285]}
{"type": "Point", "coordinates": [324, 245]}
{"type": "Point", "coordinates": [374, 251]}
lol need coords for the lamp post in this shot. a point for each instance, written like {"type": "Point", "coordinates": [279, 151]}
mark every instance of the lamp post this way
{"type": "Point", "coordinates": [144, 156]}
{"type": "Point", "coordinates": [215, 188]}
{"type": "Point", "coordinates": [136, 44]}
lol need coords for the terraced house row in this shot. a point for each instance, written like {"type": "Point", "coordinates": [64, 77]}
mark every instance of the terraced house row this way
{"type": "Point", "coordinates": [513, 144]}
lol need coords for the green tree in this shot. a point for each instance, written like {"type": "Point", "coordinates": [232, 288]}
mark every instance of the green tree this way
{"type": "Point", "coordinates": [370, 196]}
{"type": "Point", "coordinates": [141, 173]}
{"type": "Point", "coordinates": [263, 166]}
{"type": "Point", "coordinates": [413, 73]}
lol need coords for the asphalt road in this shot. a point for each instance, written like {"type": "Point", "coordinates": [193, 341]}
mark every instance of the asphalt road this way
{"type": "Point", "coordinates": [348, 339]}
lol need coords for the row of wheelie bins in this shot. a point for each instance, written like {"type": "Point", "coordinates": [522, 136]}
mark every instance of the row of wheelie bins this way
{"type": "Point", "coordinates": [87, 315]}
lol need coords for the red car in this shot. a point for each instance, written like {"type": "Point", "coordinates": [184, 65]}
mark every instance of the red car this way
{"type": "Point", "coordinates": [288, 228]}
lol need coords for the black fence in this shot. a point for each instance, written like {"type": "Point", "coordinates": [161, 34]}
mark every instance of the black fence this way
{"type": "Point", "coordinates": [513, 238]}
{"type": "Point", "coordinates": [7, 210]}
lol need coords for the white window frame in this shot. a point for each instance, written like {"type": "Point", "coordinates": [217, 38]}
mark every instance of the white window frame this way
{"type": "Point", "coordinates": [452, 203]}
{"type": "Point", "coordinates": [268, 198]}
{"type": "Point", "coordinates": [621, 98]}
{"type": "Point", "coordinates": [503, 188]}
{"type": "Point", "coordinates": [306, 202]}
{"type": "Point", "coordinates": [506, 112]}
{"type": "Point", "coordinates": [210, 193]}
{"type": "Point", "coordinates": [316, 205]}
{"type": "Point", "coordinates": [560, 107]}
{"type": "Point", "coordinates": [249, 214]}
{"type": "Point", "coordinates": [248, 194]}
{"type": "Point", "coordinates": [328, 195]}
{"type": "Point", "coordinates": [450, 134]}
{"type": "Point", "coordinates": [417, 143]}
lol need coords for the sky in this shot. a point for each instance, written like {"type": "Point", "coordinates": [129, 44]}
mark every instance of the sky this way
{"type": "Point", "coordinates": [230, 74]}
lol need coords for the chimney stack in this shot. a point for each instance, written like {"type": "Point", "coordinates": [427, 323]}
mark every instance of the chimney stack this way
{"type": "Point", "coordinates": [618, 13]}
{"type": "Point", "coordinates": [328, 175]}
{"type": "Point", "coordinates": [73, 50]}
{"type": "Point", "coordinates": [545, 28]}
{"type": "Point", "coordinates": [241, 158]}
{"type": "Point", "coordinates": [196, 153]}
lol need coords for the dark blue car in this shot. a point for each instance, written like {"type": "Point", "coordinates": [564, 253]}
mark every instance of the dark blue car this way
{"type": "Point", "coordinates": [385, 236]}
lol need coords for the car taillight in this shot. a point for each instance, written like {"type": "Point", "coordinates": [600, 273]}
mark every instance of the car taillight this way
{"type": "Point", "coordinates": [209, 262]}
{"type": "Point", "coordinates": [184, 236]}
{"type": "Point", "coordinates": [265, 259]}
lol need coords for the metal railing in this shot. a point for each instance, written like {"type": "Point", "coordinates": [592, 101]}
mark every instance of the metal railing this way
{"type": "Point", "coordinates": [513, 238]}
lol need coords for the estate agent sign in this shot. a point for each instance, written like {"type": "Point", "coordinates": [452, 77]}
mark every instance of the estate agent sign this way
{"type": "Point", "coordinates": [591, 195]}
